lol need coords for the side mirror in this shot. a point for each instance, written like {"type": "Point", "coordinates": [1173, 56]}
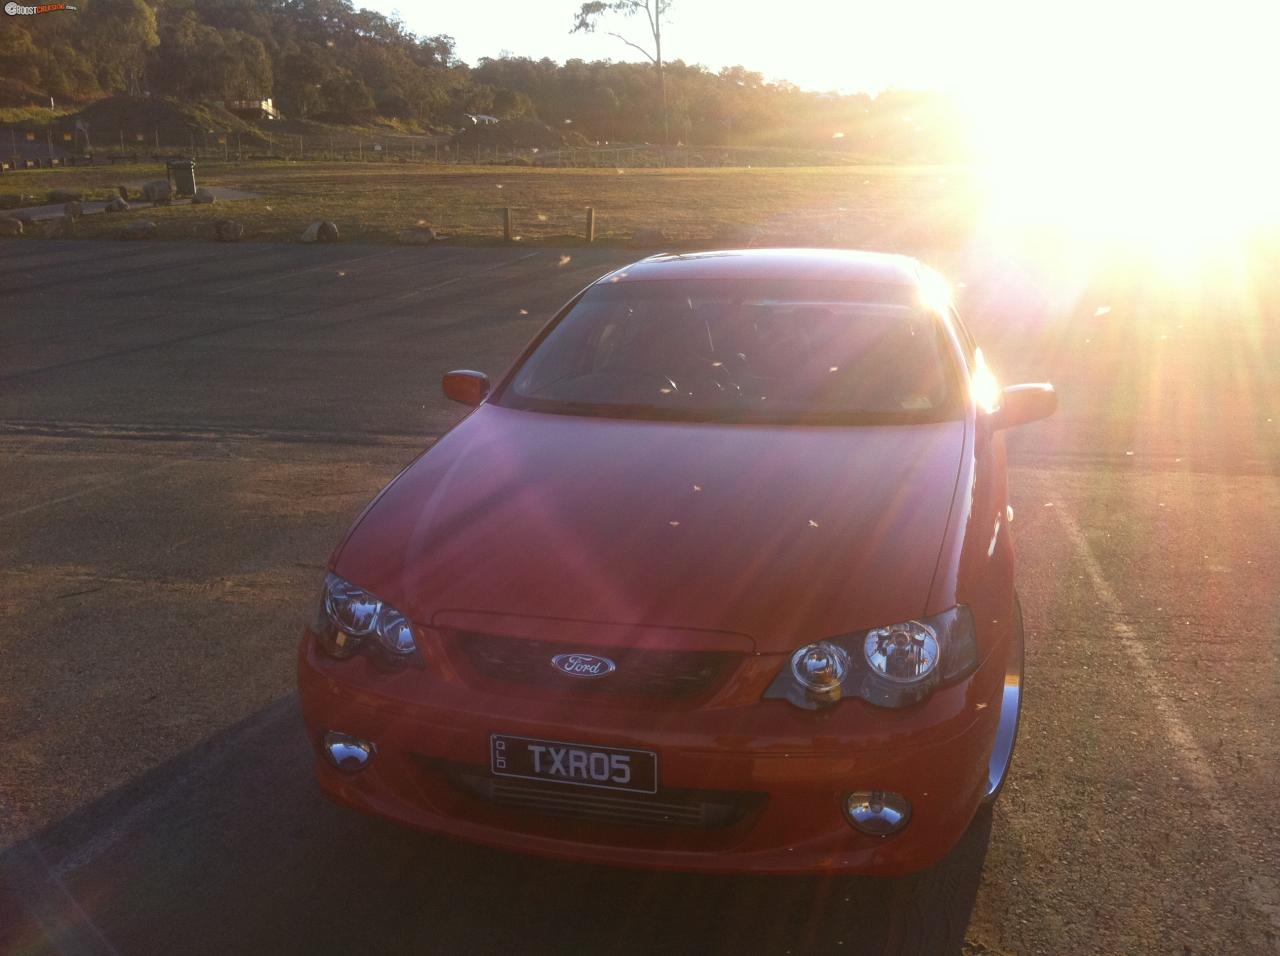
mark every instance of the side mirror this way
{"type": "Point", "coordinates": [466, 386]}
{"type": "Point", "coordinates": [1025, 403]}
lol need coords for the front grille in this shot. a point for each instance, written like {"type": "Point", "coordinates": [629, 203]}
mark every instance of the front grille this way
{"type": "Point", "coordinates": [697, 809]}
{"type": "Point", "coordinates": [640, 672]}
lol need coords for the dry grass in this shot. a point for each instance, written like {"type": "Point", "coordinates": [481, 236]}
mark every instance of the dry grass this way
{"type": "Point", "coordinates": [882, 206]}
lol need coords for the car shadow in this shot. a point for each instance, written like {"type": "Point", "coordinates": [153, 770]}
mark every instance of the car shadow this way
{"type": "Point", "coordinates": [231, 848]}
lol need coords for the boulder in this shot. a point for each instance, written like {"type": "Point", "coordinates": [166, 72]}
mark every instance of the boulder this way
{"type": "Point", "coordinates": [158, 190]}
{"type": "Point", "coordinates": [10, 227]}
{"type": "Point", "coordinates": [73, 209]}
{"type": "Point", "coordinates": [59, 227]}
{"type": "Point", "coordinates": [227, 230]}
{"type": "Point", "coordinates": [419, 235]}
{"type": "Point", "coordinates": [119, 204]}
{"type": "Point", "coordinates": [142, 229]}
{"type": "Point", "coordinates": [63, 195]}
{"type": "Point", "coordinates": [322, 230]}
{"type": "Point", "coordinates": [202, 196]}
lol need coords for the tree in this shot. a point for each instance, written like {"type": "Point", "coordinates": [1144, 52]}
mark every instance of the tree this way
{"type": "Point", "coordinates": [590, 14]}
{"type": "Point", "coordinates": [19, 56]}
{"type": "Point", "coordinates": [302, 69]}
{"type": "Point", "coordinates": [122, 33]}
{"type": "Point", "coordinates": [347, 98]}
{"type": "Point", "coordinates": [601, 110]}
{"type": "Point", "coordinates": [512, 104]}
{"type": "Point", "coordinates": [244, 70]}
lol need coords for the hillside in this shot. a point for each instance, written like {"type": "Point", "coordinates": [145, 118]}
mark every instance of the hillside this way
{"type": "Point", "coordinates": [326, 62]}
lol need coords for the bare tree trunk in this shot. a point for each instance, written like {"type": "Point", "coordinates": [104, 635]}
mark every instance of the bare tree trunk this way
{"type": "Point", "coordinates": [662, 75]}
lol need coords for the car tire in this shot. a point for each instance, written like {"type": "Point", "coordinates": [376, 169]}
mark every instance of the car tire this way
{"type": "Point", "coordinates": [931, 909]}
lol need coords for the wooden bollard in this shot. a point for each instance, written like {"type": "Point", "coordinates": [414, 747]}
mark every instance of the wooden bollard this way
{"type": "Point", "coordinates": [507, 227]}
{"type": "Point", "coordinates": [591, 224]}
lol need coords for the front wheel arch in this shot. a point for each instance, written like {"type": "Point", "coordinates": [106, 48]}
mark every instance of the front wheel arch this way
{"type": "Point", "coordinates": [1010, 710]}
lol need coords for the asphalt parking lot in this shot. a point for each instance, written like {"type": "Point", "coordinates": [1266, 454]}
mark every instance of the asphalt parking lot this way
{"type": "Point", "coordinates": [186, 430]}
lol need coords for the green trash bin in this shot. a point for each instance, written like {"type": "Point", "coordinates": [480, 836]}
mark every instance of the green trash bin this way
{"type": "Point", "coordinates": [183, 172]}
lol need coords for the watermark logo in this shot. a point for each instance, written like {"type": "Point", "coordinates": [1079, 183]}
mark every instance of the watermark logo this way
{"type": "Point", "coordinates": [18, 10]}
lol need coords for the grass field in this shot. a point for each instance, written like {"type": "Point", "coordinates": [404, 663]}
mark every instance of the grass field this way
{"type": "Point", "coordinates": [888, 207]}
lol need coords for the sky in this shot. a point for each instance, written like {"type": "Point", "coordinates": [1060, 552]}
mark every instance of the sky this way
{"type": "Point", "coordinates": [963, 46]}
{"type": "Point", "coordinates": [815, 44]}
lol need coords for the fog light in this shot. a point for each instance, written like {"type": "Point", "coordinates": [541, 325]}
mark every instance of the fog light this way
{"type": "Point", "coordinates": [349, 754]}
{"type": "Point", "coordinates": [877, 812]}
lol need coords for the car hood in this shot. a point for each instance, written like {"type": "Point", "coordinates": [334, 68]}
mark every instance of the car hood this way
{"type": "Point", "coordinates": [782, 534]}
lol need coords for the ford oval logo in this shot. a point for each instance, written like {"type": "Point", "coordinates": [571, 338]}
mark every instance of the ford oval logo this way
{"type": "Point", "coordinates": [583, 665]}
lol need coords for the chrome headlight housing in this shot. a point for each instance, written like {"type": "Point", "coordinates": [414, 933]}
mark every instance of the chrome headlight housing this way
{"type": "Point", "coordinates": [350, 618]}
{"type": "Point", "coordinates": [894, 666]}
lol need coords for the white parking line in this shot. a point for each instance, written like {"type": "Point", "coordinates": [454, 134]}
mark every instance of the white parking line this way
{"type": "Point", "coordinates": [277, 276]}
{"type": "Point", "coordinates": [1264, 889]}
{"type": "Point", "coordinates": [470, 275]}
{"type": "Point", "coordinates": [64, 924]}
{"type": "Point", "coordinates": [133, 476]}
{"type": "Point", "coordinates": [136, 816]}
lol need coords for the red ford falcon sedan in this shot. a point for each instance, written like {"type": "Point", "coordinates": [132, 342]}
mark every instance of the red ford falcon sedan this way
{"type": "Point", "coordinates": [718, 577]}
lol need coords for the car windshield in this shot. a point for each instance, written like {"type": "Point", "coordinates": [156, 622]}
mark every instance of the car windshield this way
{"type": "Point", "coordinates": [735, 351]}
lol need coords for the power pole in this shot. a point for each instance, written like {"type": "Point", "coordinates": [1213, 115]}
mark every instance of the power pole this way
{"type": "Point", "coordinates": [662, 74]}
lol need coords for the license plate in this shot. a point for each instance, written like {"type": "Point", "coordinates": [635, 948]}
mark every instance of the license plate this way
{"type": "Point", "coordinates": [584, 765]}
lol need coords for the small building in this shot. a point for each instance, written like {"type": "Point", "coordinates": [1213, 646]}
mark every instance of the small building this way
{"type": "Point", "coordinates": [262, 109]}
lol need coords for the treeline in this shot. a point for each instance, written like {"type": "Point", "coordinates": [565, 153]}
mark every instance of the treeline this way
{"type": "Point", "coordinates": [326, 60]}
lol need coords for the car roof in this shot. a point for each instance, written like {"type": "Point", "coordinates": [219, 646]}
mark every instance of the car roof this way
{"type": "Point", "coordinates": [829, 264]}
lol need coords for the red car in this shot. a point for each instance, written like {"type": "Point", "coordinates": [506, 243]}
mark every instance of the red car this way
{"type": "Point", "coordinates": [718, 577]}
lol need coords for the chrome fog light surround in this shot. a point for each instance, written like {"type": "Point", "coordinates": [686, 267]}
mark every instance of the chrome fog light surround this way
{"type": "Point", "coordinates": [349, 754]}
{"type": "Point", "coordinates": [878, 813]}
{"type": "Point", "coordinates": [820, 668]}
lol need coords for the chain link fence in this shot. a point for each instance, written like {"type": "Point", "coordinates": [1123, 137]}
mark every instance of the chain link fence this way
{"type": "Point", "coordinates": [33, 150]}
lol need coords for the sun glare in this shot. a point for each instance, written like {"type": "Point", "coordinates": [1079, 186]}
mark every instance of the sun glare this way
{"type": "Point", "coordinates": [1153, 135]}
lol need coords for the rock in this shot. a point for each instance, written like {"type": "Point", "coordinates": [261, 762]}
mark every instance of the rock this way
{"type": "Point", "coordinates": [157, 191]}
{"type": "Point", "coordinates": [119, 204]}
{"type": "Point", "coordinates": [227, 230]}
{"type": "Point", "coordinates": [202, 196]}
{"type": "Point", "coordinates": [60, 227]}
{"type": "Point", "coordinates": [417, 236]}
{"type": "Point", "coordinates": [322, 230]}
{"type": "Point", "coordinates": [648, 234]}
{"type": "Point", "coordinates": [73, 209]}
{"type": "Point", "coordinates": [142, 229]}
{"type": "Point", "coordinates": [63, 195]}
{"type": "Point", "coordinates": [10, 227]}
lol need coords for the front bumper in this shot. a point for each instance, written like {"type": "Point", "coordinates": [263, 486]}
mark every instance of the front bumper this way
{"type": "Point", "coordinates": [794, 765]}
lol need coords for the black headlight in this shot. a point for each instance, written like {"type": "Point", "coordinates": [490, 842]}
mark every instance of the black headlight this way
{"type": "Point", "coordinates": [894, 666]}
